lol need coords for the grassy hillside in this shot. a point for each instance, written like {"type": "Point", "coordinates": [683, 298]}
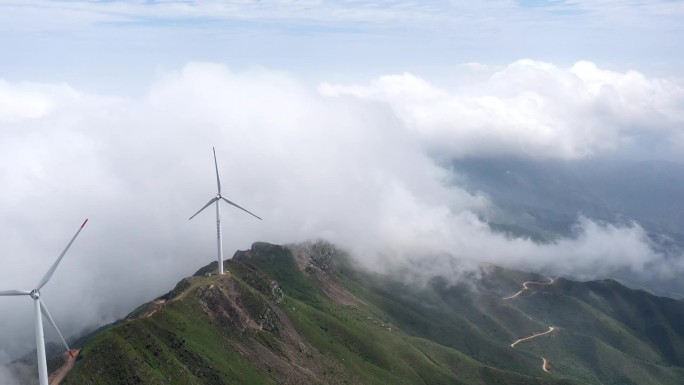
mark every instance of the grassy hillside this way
{"type": "Point", "coordinates": [304, 314]}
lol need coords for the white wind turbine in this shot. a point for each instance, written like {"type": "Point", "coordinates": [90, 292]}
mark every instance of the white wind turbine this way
{"type": "Point", "coordinates": [40, 307]}
{"type": "Point", "coordinates": [216, 200]}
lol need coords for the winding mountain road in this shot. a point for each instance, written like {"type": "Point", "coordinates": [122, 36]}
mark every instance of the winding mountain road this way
{"type": "Point", "coordinates": [526, 287]}
{"type": "Point", "coordinates": [545, 362]}
{"type": "Point", "coordinates": [535, 335]}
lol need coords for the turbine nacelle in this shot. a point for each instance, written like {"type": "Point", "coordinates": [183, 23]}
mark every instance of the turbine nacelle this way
{"type": "Point", "coordinates": [35, 294]}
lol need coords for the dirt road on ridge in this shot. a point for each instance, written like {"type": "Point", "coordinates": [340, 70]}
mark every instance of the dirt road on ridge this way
{"type": "Point", "coordinates": [57, 377]}
{"type": "Point", "coordinates": [535, 335]}
{"type": "Point", "coordinates": [526, 287]}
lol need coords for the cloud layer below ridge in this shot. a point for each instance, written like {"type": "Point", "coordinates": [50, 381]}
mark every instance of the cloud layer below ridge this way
{"type": "Point", "coordinates": [351, 163]}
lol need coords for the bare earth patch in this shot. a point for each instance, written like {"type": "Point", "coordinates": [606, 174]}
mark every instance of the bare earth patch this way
{"type": "Point", "coordinates": [70, 358]}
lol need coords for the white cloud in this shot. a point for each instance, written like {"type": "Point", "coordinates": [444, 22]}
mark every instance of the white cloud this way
{"type": "Point", "coordinates": [452, 244]}
{"type": "Point", "coordinates": [533, 108]}
{"type": "Point", "coordinates": [353, 169]}
{"type": "Point", "coordinates": [21, 103]}
{"type": "Point", "coordinates": [18, 374]}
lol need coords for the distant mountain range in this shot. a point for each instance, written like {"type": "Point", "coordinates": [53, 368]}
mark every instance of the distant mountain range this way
{"type": "Point", "coordinates": [306, 314]}
{"type": "Point", "coordinates": [543, 199]}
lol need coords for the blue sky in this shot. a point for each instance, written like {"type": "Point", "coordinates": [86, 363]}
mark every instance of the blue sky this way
{"type": "Point", "coordinates": [88, 42]}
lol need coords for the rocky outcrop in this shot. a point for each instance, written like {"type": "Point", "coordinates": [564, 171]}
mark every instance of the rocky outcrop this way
{"type": "Point", "coordinates": [224, 304]}
{"type": "Point", "coordinates": [318, 259]}
{"type": "Point", "coordinates": [276, 292]}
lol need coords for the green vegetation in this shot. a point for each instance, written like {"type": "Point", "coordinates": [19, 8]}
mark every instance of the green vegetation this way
{"type": "Point", "coordinates": [309, 317]}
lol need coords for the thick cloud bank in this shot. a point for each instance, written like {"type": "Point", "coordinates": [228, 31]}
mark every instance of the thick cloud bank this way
{"type": "Point", "coordinates": [535, 109]}
{"type": "Point", "coordinates": [349, 163]}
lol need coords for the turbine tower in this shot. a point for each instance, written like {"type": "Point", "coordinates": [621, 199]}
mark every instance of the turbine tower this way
{"type": "Point", "coordinates": [40, 307]}
{"type": "Point", "coordinates": [216, 200]}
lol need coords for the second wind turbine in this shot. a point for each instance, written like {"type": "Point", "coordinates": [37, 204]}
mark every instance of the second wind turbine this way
{"type": "Point", "coordinates": [217, 200]}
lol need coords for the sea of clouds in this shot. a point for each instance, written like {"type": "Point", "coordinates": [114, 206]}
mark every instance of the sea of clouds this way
{"type": "Point", "coordinates": [358, 164]}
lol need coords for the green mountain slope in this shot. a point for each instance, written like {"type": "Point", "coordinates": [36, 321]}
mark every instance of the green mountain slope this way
{"type": "Point", "coordinates": [304, 314]}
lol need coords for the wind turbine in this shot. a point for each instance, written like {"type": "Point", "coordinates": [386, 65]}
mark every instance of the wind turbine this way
{"type": "Point", "coordinates": [40, 307]}
{"type": "Point", "coordinates": [216, 200]}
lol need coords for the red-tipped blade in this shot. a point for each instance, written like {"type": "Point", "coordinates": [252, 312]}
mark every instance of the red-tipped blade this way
{"type": "Point", "coordinates": [49, 273]}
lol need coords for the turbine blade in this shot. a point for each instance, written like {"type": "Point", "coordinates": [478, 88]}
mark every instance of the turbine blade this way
{"type": "Point", "coordinates": [205, 206]}
{"type": "Point", "coordinates": [47, 315]}
{"type": "Point", "coordinates": [218, 181]}
{"type": "Point", "coordinates": [47, 276]}
{"type": "Point", "coordinates": [14, 292]}
{"type": "Point", "coordinates": [231, 203]}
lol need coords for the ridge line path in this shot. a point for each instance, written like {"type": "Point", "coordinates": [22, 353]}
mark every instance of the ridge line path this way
{"type": "Point", "coordinates": [159, 303]}
{"type": "Point", "coordinates": [57, 376]}
{"type": "Point", "coordinates": [526, 287]}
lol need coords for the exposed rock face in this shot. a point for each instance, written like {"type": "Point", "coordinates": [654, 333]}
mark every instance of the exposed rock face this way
{"type": "Point", "coordinates": [257, 247]}
{"type": "Point", "coordinates": [317, 259]}
{"type": "Point", "coordinates": [276, 292]}
{"type": "Point", "coordinates": [308, 255]}
{"type": "Point", "coordinates": [267, 320]}
{"type": "Point", "coordinates": [224, 303]}
{"type": "Point", "coordinates": [243, 255]}
{"type": "Point", "coordinates": [240, 309]}
{"type": "Point", "coordinates": [319, 255]}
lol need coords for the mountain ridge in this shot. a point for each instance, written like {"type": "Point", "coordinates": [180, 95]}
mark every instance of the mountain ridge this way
{"type": "Point", "coordinates": [307, 314]}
